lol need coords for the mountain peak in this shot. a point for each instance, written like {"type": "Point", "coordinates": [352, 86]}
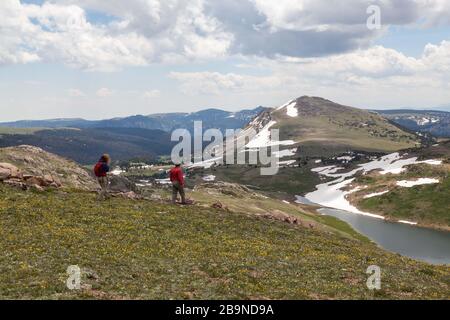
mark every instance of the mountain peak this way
{"type": "Point", "coordinates": [314, 99]}
{"type": "Point", "coordinates": [320, 124]}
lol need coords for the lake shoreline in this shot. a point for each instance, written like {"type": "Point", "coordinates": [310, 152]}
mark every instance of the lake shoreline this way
{"type": "Point", "coordinates": [418, 224]}
{"type": "Point", "coordinates": [420, 244]}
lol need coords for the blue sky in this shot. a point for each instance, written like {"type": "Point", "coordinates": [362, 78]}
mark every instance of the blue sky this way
{"type": "Point", "coordinates": [101, 59]}
{"type": "Point", "coordinates": [412, 41]}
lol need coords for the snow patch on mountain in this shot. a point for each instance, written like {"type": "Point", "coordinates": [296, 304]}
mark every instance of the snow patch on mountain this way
{"type": "Point", "coordinates": [419, 182]}
{"type": "Point", "coordinates": [263, 139]}
{"type": "Point", "coordinates": [117, 171]}
{"type": "Point", "coordinates": [292, 110]}
{"type": "Point", "coordinates": [423, 121]}
{"type": "Point", "coordinates": [286, 163]}
{"type": "Point", "coordinates": [206, 164]}
{"type": "Point", "coordinates": [408, 222]}
{"type": "Point", "coordinates": [376, 194]}
{"type": "Point", "coordinates": [330, 194]}
{"type": "Point", "coordinates": [327, 171]}
{"type": "Point", "coordinates": [209, 178]}
{"type": "Point", "coordinates": [285, 105]}
{"type": "Point", "coordinates": [285, 153]}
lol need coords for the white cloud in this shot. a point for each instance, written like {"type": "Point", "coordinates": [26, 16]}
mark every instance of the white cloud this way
{"type": "Point", "coordinates": [104, 93]}
{"type": "Point", "coordinates": [142, 32]}
{"type": "Point", "coordinates": [150, 94]}
{"type": "Point", "coordinates": [215, 83]}
{"type": "Point", "coordinates": [435, 12]}
{"type": "Point", "coordinates": [76, 93]}
{"type": "Point", "coordinates": [373, 77]}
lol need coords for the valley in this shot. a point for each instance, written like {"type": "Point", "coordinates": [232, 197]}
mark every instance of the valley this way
{"type": "Point", "coordinates": [352, 190]}
{"type": "Point", "coordinates": [223, 159]}
{"type": "Point", "coordinates": [233, 243]}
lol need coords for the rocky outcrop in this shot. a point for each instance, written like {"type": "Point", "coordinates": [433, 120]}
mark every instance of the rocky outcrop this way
{"type": "Point", "coordinates": [281, 216]}
{"type": "Point", "coordinates": [230, 189]}
{"type": "Point", "coordinates": [31, 167]}
{"type": "Point", "coordinates": [13, 176]}
{"type": "Point", "coordinates": [219, 205]}
{"type": "Point", "coordinates": [9, 171]}
{"type": "Point", "coordinates": [121, 185]}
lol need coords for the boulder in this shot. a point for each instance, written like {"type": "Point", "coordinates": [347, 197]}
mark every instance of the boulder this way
{"type": "Point", "coordinates": [48, 178]}
{"type": "Point", "coordinates": [8, 171]}
{"type": "Point", "coordinates": [121, 184]}
{"type": "Point", "coordinates": [281, 216]}
{"type": "Point", "coordinates": [4, 174]}
{"type": "Point", "coordinates": [53, 181]}
{"type": "Point", "coordinates": [37, 180]}
{"type": "Point", "coordinates": [31, 180]}
{"type": "Point", "coordinates": [217, 205]}
{"type": "Point", "coordinates": [37, 188]}
{"type": "Point", "coordinates": [15, 183]}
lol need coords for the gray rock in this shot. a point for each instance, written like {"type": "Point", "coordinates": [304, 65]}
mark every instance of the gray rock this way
{"type": "Point", "coordinates": [7, 170]}
{"type": "Point", "coordinates": [121, 184]}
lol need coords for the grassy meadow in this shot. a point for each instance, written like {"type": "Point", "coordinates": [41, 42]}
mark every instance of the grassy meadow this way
{"type": "Point", "coordinates": [154, 250]}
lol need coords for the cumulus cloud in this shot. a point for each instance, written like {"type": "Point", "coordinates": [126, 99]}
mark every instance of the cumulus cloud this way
{"type": "Point", "coordinates": [141, 32]}
{"type": "Point", "coordinates": [215, 83]}
{"type": "Point", "coordinates": [144, 32]}
{"type": "Point", "coordinates": [386, 73]}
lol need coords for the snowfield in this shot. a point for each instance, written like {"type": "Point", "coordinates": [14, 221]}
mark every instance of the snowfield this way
{"type": "Point", "coordinates": [263, 139]}
{"type": "Point", "coordinates": [376, 194]}
{"type": "Point", "coordinates": [163, 181]}
{"type": "Point", "coordinates": [285, 153]}
{"type": "Point", "coordinates": [207, 163]}
{"type": "Point", "coordinates": [285, 105]}
{"type": "Point", "coordinates": [327, 171]}
{"type": "Point", "coordinates": [209, 178]}
{"type": "Point", "coordinates": [419, 182]}
{"type": "Point", "coordinates": [345, 158]}
{"type": "Point", "coordinates": [408, 222]}
{"type": "Point", "coordinates": [424, 121]}
{"type": "Point", "coordinates": [117, 171]}
{"type": "Point", "coordinates": [286, 163]}
{"type": "Point", "coordinates": [330, 194]}
{"type": "Point", "coordinates": [291, 110]}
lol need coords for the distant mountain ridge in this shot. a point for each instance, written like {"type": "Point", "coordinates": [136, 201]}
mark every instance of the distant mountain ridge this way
{"type": "Point", "coordinates": [314, 126]}
{"type": "Point", "coordinates": [211, 118]}
{"type": "Point", "coordinates": [134, 137]}
{"type": "Point", "coordinates": [87, 144]}
{"type": "Point", "coordinates": [434, 122]}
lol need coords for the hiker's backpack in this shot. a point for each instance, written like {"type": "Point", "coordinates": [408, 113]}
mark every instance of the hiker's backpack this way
{"type": "Point", "coordinates": [98, 170]}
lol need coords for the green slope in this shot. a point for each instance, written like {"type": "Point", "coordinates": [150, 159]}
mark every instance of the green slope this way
{"type": "Point", "coordinates": [429, 205]}
{"type": "Point", "coordinates": [321, 122]}
{"type": "Point", "coordinates": [152, 250]}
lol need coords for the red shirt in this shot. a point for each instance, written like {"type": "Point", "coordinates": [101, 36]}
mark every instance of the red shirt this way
{"type": "Point", "coordinates": [176, 174]}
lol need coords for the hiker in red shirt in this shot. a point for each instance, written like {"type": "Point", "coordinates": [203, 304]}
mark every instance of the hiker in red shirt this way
{"type": "Point", "coordinates": [177, 179]}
